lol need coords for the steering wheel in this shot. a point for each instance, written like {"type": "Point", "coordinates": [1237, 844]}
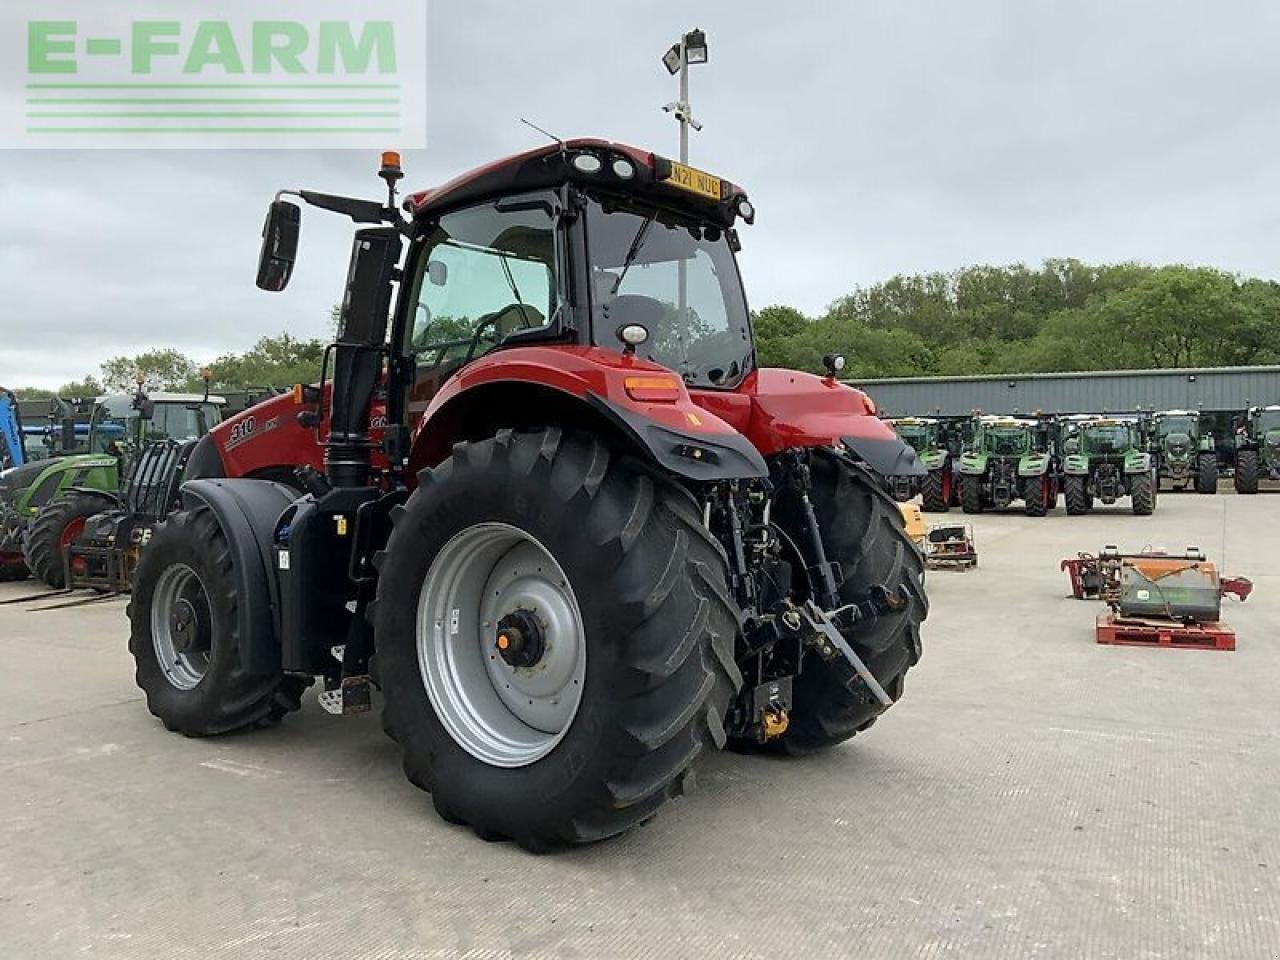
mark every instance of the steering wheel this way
{"type": "Point", "coordinates": [490, 323]}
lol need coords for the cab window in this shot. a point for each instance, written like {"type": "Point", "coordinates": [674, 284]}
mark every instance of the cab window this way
{"type": "Point", "coordinates": [486, 273]}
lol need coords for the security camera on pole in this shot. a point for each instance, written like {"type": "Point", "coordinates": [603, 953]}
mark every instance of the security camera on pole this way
{"type": "Point", "coordinates": [691, 48]}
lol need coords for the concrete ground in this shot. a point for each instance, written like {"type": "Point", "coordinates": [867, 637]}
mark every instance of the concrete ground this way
{"type": "Point", "coordinates": [1033, 795]}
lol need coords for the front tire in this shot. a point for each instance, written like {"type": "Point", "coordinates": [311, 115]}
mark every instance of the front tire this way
{"type": "Point", "coordinates": [971, 494]}
{"type": "Point", "coordinates": [657, 634]}
{"type": "Point", "coordinates": [935, 491]}
{"type": "Point", "coordinates": [53, 531]}
{"type": "Point", "coordinates": [863, 531]}
{"type": "Point", "coordinates": [1076, 493]}
{"type": "Point", "coordinates": [1246, 476]}
{"type": "Point", "coordinates": [1142, 494]}
{"type": "Point", "coordinates": [1036, 495]}
{"type": "Point", "coordinates": [185, 634]}
{"type": "Point", "coordinates": [1207, 473]}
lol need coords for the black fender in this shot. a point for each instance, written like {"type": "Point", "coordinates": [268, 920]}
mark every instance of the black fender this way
{"type": "Point", "coordinates": [693, 456]}
{"type": "Point", "coordinates": [205, 460]}
{"type": "Point", "coordinates": [247, 511]}
{"type": "Point", "coordinates": [887, 456]}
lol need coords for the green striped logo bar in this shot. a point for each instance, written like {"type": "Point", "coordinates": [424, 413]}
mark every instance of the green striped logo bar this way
{"type": "Point", "coordinates": [213, 74]}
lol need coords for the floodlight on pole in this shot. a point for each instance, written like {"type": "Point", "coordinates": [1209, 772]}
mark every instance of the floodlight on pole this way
{"type": "Point", "coordinates": [691, 48]}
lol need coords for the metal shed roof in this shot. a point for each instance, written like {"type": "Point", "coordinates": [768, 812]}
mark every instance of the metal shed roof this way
{"type": "Point", "coordinates": [1207, 389]}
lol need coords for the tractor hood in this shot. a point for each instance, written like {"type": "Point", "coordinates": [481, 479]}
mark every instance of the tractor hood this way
{"type": "Point", "coordinates": [19, 478]}
{"type": "Point", "coordinates": [777, 409]}
{"type": "Point", "coordinates": [1177, 445]}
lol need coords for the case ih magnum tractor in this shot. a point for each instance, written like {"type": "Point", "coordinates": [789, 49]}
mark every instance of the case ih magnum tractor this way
{"type": "Point", "coordinates": [552, 508]}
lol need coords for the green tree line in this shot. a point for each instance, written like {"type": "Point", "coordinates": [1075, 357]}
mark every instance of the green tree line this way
{"type": "Point", "coordinates": [1063, 316]}
{"type": "Point", "coordinates": [271, 362]}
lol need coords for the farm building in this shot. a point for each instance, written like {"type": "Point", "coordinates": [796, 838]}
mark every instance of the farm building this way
{"type": "Point", "coordinates": [1220, 390]}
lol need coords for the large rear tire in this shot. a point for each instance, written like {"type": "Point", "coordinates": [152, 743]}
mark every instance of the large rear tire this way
{"type": "Point", "coordinates": [863, 531]}
{"type": "Point", "coordinates": [1075, 491]}
{"type": "Point", "coordinates": [1142, 494]}
{"type": "Point", "coordinates": [935, 490]}
{"type": "Point", "coordinates": [1246, 477]}
{"type": "Point", "coordinates": [624, 557]}
{"type": "Point", "coordinates": [54, 529]}
{"type": "Point", "coordinates": [971, 494]}
{"type": "Point", "coordinates": [1207, 473]}
{"type": "Point", "coordinates": [185, 634]}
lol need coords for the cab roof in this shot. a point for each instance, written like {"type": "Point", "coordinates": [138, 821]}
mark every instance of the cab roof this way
{"type": "Point", "coordinates": [552, 164]}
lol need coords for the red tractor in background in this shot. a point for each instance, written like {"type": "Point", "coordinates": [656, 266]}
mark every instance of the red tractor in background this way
{"type": "Point", "coordinates": [546, 501]}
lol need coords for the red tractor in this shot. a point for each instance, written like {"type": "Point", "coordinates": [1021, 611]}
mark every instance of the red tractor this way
{"type": "Point", "coordinates": [546, 501]}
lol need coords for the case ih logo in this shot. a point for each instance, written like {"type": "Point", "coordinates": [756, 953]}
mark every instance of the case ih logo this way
{"type": "Point", "coordinates": [231, 73]}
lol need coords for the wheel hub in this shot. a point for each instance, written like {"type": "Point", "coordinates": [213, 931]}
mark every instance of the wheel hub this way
{"type": "Point", "coordinates": [182, 623]}
{"type": "Point", "coordinates": [519, 640]}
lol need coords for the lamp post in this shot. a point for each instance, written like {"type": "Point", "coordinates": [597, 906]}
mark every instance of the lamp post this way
{"type": "Point", "coordinates": [691, 48]}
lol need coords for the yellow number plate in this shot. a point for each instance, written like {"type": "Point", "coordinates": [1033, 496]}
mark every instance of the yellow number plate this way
{"type": "Point", "coordinates": [695, 181]}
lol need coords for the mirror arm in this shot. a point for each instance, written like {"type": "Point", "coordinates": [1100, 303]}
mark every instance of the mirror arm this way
{"type": "Point", "coordinates": [360, 211]}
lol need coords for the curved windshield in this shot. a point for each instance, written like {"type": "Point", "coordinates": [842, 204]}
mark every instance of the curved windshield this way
{"type": "Point", "coordinates": [1106, 439]}
{"type": "Point", "coordinates": [915, 437]}
{"type": "Point", "coordinates": [679, 281]}
{"type": "Point", "coordinates": [1005, 442]}
{"type": "Point", "coordinates": [1269, 420]}
{"type": "Point", "coordinates": [1170, 425]}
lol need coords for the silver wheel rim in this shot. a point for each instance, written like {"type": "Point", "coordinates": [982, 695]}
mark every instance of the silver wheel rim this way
{"type": "Point", "coordinates": [180, 626]}
{"type": "Point", "coordinates": [506, 716]}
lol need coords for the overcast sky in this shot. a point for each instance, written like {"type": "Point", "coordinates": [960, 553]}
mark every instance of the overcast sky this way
{"type": "Point", "coordinates": [874, 138]}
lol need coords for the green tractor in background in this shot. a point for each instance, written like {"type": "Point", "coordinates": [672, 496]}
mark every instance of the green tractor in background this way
{"type": "Point", "coordinates": [937, 443]}
{"type": "Point", "coordinates": [1009, 458]}
{"type": "Point", "coordinates": [44, 504]}
{"type": "Point", "coordinates": [1185, 454]}
{"type": "Point", "coordinates": [1107, 458]}
{"type": "Point", "coordinates": [1257, 442]}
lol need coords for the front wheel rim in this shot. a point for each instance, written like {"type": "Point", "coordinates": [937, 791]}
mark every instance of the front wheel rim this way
{"type": "Point", "coordinates": [181, 626]}
{"type": "Point", "coordinates": [504, 715]}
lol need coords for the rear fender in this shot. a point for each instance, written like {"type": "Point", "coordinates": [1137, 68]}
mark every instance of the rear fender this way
{"type": "Point", "coordinates": [973, 464]}
{"type": "Point", "coordinates": [584, 387]}
{"type": "Point", "coordinates": [247, 512]}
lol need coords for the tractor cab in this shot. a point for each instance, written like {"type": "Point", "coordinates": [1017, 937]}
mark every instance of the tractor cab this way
{"type": "Point", "coordinates": [920, 433]}
{"type": "Point", "coordinates": [121, 423]}
{"type": "Point", "coordinates": [1108, 437]}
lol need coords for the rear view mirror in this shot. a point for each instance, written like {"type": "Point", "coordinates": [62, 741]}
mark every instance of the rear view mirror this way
{"type": "Point", "coordinates": [279, 245]}
{"type": "Point", "coordinates": [438, 273]}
